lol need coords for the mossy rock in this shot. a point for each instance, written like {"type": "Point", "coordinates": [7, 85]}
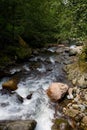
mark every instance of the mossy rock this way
{"type": "Point", "coordinates": [83, 55]}
{"type": "Point", "coordinates": [61, 124]}
{"type": "Point", "coordinates": [82, 66]}
{"type": "Point", "coordinates": [18, 125]}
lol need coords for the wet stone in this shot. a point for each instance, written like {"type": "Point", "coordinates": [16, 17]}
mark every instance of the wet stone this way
{"type": "Point", "coordinates": [4, 104]}
{"type": "Point", "coordinates": [5, 91]}
{"type": "Point", "coordinates": [29, 96]}
{"type": "Point", "coordinates": [18, 125]}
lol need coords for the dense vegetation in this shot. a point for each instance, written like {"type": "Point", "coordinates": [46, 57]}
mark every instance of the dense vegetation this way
{"type": "Point", "coordinates": [41, 21]}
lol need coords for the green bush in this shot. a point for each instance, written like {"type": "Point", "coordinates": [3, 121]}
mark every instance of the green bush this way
{"type": "Point", "coordinates": [23, 53]}
{"type": "Point", "coordinates": [19, 52]}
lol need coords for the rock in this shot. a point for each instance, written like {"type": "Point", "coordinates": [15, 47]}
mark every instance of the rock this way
{"type": "Point", "coordinates": [29, 96]}
{"type": "Point", "coordinates": [76, 75]}
{"type": "Point", "coordinates": [5, 91]}
{"type": "Point", "coordinates": [19, 98]}
{"type": "Point", "coordinates": [79, 117]}
{"type": "Point", "coordinates": [56, 91]}
{"type": "Point", "coordinates": [82, 82]}
{"type": "Point", "coordinates": [84, 122]}
{"type": "Point", "coordinates": [60, 50]}
{"type": "Point", "coordinates": [18, 125]}
{"type": "Point", "coordinates": [66, 62]}
{"type": "Point", "coordinates": [75, 106]}
{"type": "Point", "coordinates": [61, 124]}
{"type": "Point", "coordinates": [70, 91]}
{"type": "Point", "coordinates": [75, 50]}
{"type": "Point", "coordinates": [67, 49]}
{"type": "Point", "coordinates": [72, 53]}
{"type": "Point", "coordinates": [4, 104]}
{"type": "Point", "coordinates": [10, 84]}
{"type": "Point", "coordinates": [71, 112]}
{"type": "Point", "coordinates": [74, 81]}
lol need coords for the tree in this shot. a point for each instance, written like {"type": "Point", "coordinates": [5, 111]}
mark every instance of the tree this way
{"type": "Point", "coordinates": [11, 20]}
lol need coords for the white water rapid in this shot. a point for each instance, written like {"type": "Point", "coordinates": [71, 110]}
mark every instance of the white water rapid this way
{"type": "Point", "coordinates": [34, 81]}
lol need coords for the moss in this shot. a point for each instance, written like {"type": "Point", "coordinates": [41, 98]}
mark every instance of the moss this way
{"type": "Point", "coordinates": [59, 121]}
{"type": "Point", "coordinates": [82, 66]}
{"type": "Point", "coordinates": [83, 55]}
{"type": "Point", "coordinates": [58, 124]}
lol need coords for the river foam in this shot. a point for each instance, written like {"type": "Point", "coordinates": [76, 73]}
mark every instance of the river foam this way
{"type": "Point", "coordinates": [35, 81]}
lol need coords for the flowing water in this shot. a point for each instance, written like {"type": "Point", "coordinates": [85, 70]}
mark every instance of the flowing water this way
{"type": "Point", "coordinates": [35, 77]}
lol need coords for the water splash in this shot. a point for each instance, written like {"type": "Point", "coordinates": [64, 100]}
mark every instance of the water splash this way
{"type": "Point", "coordinates": [36, 82]}
{"type": "Point", "coordinates": [42, 69]}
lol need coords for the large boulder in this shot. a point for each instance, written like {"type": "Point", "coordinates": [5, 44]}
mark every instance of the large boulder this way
{"type": "Point", "coordinates": [56, 91]}
{"type": "Point", "coordinates": [18, 125]}
{"type": "Point", "coordinates": [10, 84]}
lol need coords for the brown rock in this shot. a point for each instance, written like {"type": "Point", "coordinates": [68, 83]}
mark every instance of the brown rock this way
{"type": "Point", "coordinates": [84, 120]}
{"type": "Point", "coordinates": [10, 84]}
{"type": "Point", "coordinates": [56, 91]}
{"type": "Point", "coordinates": [71, 112]}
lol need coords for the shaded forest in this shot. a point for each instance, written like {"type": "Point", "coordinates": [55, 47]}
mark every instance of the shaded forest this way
{"type": "Point", "coordinates": [38, 23]}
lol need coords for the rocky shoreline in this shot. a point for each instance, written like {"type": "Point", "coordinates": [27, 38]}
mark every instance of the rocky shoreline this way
{"type": "Point", "coordinates": [75, 105]}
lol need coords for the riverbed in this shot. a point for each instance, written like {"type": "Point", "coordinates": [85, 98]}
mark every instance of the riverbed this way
{"type": "Point", "coordinates": [35, 77]}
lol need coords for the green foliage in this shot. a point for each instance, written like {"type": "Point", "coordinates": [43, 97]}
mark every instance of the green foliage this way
{"type": "Point", "coordinates": [23, 53]}
{"type": "Point", "coordinates": [19, 53]}
{"type": "Point", "coordinates": [4, 61]}
{"type": "Point", "coordinates": [40, 21]}
{"type": "Point", "coordinates": [11, 20]}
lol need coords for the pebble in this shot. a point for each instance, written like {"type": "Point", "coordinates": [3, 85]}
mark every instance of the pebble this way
{"type": "Point", "coordinates": [82, 107]}
{"type": "Point", "coordinates": [76, 99]}
{"type": "Point", "coordinates": [69, 104]}
{"type": "Point", "coordinates": [75, 106]}
{"type": "Point", "coordinates": [69, 96]}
